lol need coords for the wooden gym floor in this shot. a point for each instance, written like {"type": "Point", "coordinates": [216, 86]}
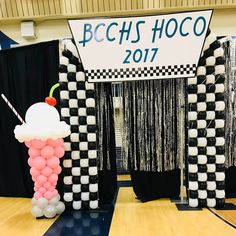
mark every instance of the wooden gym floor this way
{"type": "Point", "coordinates": [130, 217]}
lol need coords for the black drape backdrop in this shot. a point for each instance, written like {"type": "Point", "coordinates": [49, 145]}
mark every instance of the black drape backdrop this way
{"type": "Point", "coordinates": [106, 144]}
{"type": "Point", "coordinates": [26, 75]}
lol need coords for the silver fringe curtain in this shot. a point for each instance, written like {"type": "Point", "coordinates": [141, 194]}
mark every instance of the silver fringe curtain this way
{"type": "Point", "coordinates": [154, 124]}
{"type": "Point", "coordinates": [230, 100]}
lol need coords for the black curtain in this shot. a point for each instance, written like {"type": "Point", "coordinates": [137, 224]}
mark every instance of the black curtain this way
{"type": "Point", "coordinates": [107, 172]}
{"type": "Point", "coordinates": [26, 76]}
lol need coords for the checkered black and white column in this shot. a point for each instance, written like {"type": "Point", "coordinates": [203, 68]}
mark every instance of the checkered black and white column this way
{"type": "Point", "coordinates": [78, 110]}
{"type": "Point", "coordinates": [206, 128]}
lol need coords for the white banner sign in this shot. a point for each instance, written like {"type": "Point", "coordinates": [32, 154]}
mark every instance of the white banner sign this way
{"type": "Point", "coordinates": [141, 48]}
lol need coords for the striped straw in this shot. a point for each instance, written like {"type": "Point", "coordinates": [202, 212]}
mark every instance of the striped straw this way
{"type": "Point", "coordinates": [13, 109]}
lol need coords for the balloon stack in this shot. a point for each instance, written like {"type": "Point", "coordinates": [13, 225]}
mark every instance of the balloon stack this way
{"type": "Point", "coordinates": [43, 134]}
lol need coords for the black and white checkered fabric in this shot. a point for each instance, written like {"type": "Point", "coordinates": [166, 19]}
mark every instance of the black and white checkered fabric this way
{"type": "Point", "coordinates": [78, 110]}
{"type": "Point", "coordinates": [155, 72]}
{"type": "Point", "coordinates": [206, 128]}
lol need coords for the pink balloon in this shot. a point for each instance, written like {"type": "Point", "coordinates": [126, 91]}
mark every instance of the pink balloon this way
{"type": "Point", "coordinates": [47, 152]}
{"type": "Point", "coordinates": [55, 142]}
{"type": "Point", "coordinates": [48, 195]}
{"type": "Point", "coordinates": [30, 162]}
{"type": "Point", "coordinates": [57, 170]}
{"type": "Point", "coordinates": [34, 172]}
{"type": "Point", "coordinates": [41, 179]}
{"type": "Point", "coordinates": [52, 188]}
{"type": "Point", "coordinates": [39, 162]}
{"type": "Point", "coordinates": [38, 144]}
{"type": "Point", "coordinates": [36, 189]}
{"type": "Point", "coordinates": [36, 184]}
{"type": "Point", "coordinates": [53, 162]}
{"type": "Point", "coordinates": [33, 152]}
{"type": "Point", "coordinates": [37, 195]}
{"type": "Point", "coordinates": [28, 144]}
{"type": "Point", "coordinates": [42, 190]}
{"type": "Point", "coordinates": [46, 171]}
{"type": "Point", "coordinates": [59, 152]}
{"type": "Point", "coordinates": [47, 185]}
{"type": "Point", "coordinates": [53, 179]}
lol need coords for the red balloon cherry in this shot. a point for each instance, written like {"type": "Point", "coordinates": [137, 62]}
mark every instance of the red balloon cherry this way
{"type": "Point", "coordinates": [51, 101]}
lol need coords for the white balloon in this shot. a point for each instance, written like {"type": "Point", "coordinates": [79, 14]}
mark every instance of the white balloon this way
{"type": "Point", "coordinates": [71, 68]}
{"type": "Point", "coordinates": [64, 61]}
{"type": "Point", "coordinates": [219, 52]}
{"type": "Point", "coordinates": [219, 88]}
{"type": "Point", "coordinates": [75, 155]}
{"type": "Point", "coordinates": [60, 207]}
{"type": "Point", "coordinates": [34, 201]}
{"type": "Point", "coordinates": [210, 61]}
{"type": "Point", "coordinates": [192, 151]}
{"type": "Point", "coordinates": [93, 204]}
{"type": "Point", "coordinates": [193, 185]}
{"type": "Point", "coordinates": [211, 202]}
{"type": "Point", "coordinates": [36, 211]}
{"type": "Point", "coordinates": [84, 179]}
{"type": "Point", "coordinates": [211, 185]}
{"type": "Point", "coordinates": [63, 78]}
{"type": "Point", "coordinates": [220, 176]}
{"type": "Point", "coordinates": [54, 200]}
{"type": "Point", "coordinates": [211, 133]}
{"type": "Point", "coordinates": [192, 80]}
{"type": "Point", "coordinates": [201, 106]}
{"type": "Point", "coordinates": [192, 98]}
{"type": "Point", "coordinates": [76, 205]}
{"type": "Point", "coordinates": [72, 86]}
{"type": "Point", "coordinates": [202, 177]}
{"type": "Point", "coordinates": [211, 151]}
{"type": "Point", "coordinates": [202, 194]}
{"type": "Point", "coordinates": [219, 123]}
{"type": "Point", "coordinates": [220, 159]}
{"type": "Point", "coordinates": [73, 103]}
{"type": "Point", "coordinates": [81, 94]}
{"type": "Point", "coordinates": [93, 170]}
{"type": "Point", "coordinates": [42, 202]}
{"type": "Point", "coordinates": [85, 196]}
{"type": "Point", "coordinates": [84, 163]}
{"type": "Point", "coordinates": [201, 142]}
{"type": "Point", "coordinates": [210, 97]}
{"type": "Point", "coordinates": [76, 188]}
{"type": "Point", "coordinates": [192, 168]}
{"type": "Point", "coordinates": [89, 86]}
{"type": "Point", "coordinates": [83, 146]}
{"type": "Point", "coordinates": [201, 70]}
{"type": "Point", "coordinates": [201, 124]}
{"type": "Point", "coordinates": [193, 202]}
{"type": "Point", "coordinates": [92, 154]}
{"type": "Point", "coordinates": [93, 188]}
{"type": "Point", "coordinates": [192, 115]}
{"type": "Point", "coordinates": [67, 180]}
{"type": "Point", "coordinates": [211, 168]}
{"type": "Point", "coordinates": [210, 79]}
{"type": "Point", "coordinates": [67, 163]}
{"type": "Point", "coordinates": [210, 115]}
{"type": "Point", "coordinates": [201, 88]}
{"type": "Point", "coordinates": [91, 137]}
{"type": "Point", "coordinates": [220, 141]}
{"type": "Point", "coordinates": [68, 197]}
{"type": "Point", "coordinates": [220, 106]}
{"type": "Point", "coordinates": [202, 159]}
{"type": "Point", "coordinates": [220, 193]}
{"type": "Point", "coordinates": [80, 76]}
{"type": "Point", "coordinates": [90, 102]}
{"type": "Point", "coordinates": [75, 171]}
{"type": "Point", "coordinates": [50, 211]}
